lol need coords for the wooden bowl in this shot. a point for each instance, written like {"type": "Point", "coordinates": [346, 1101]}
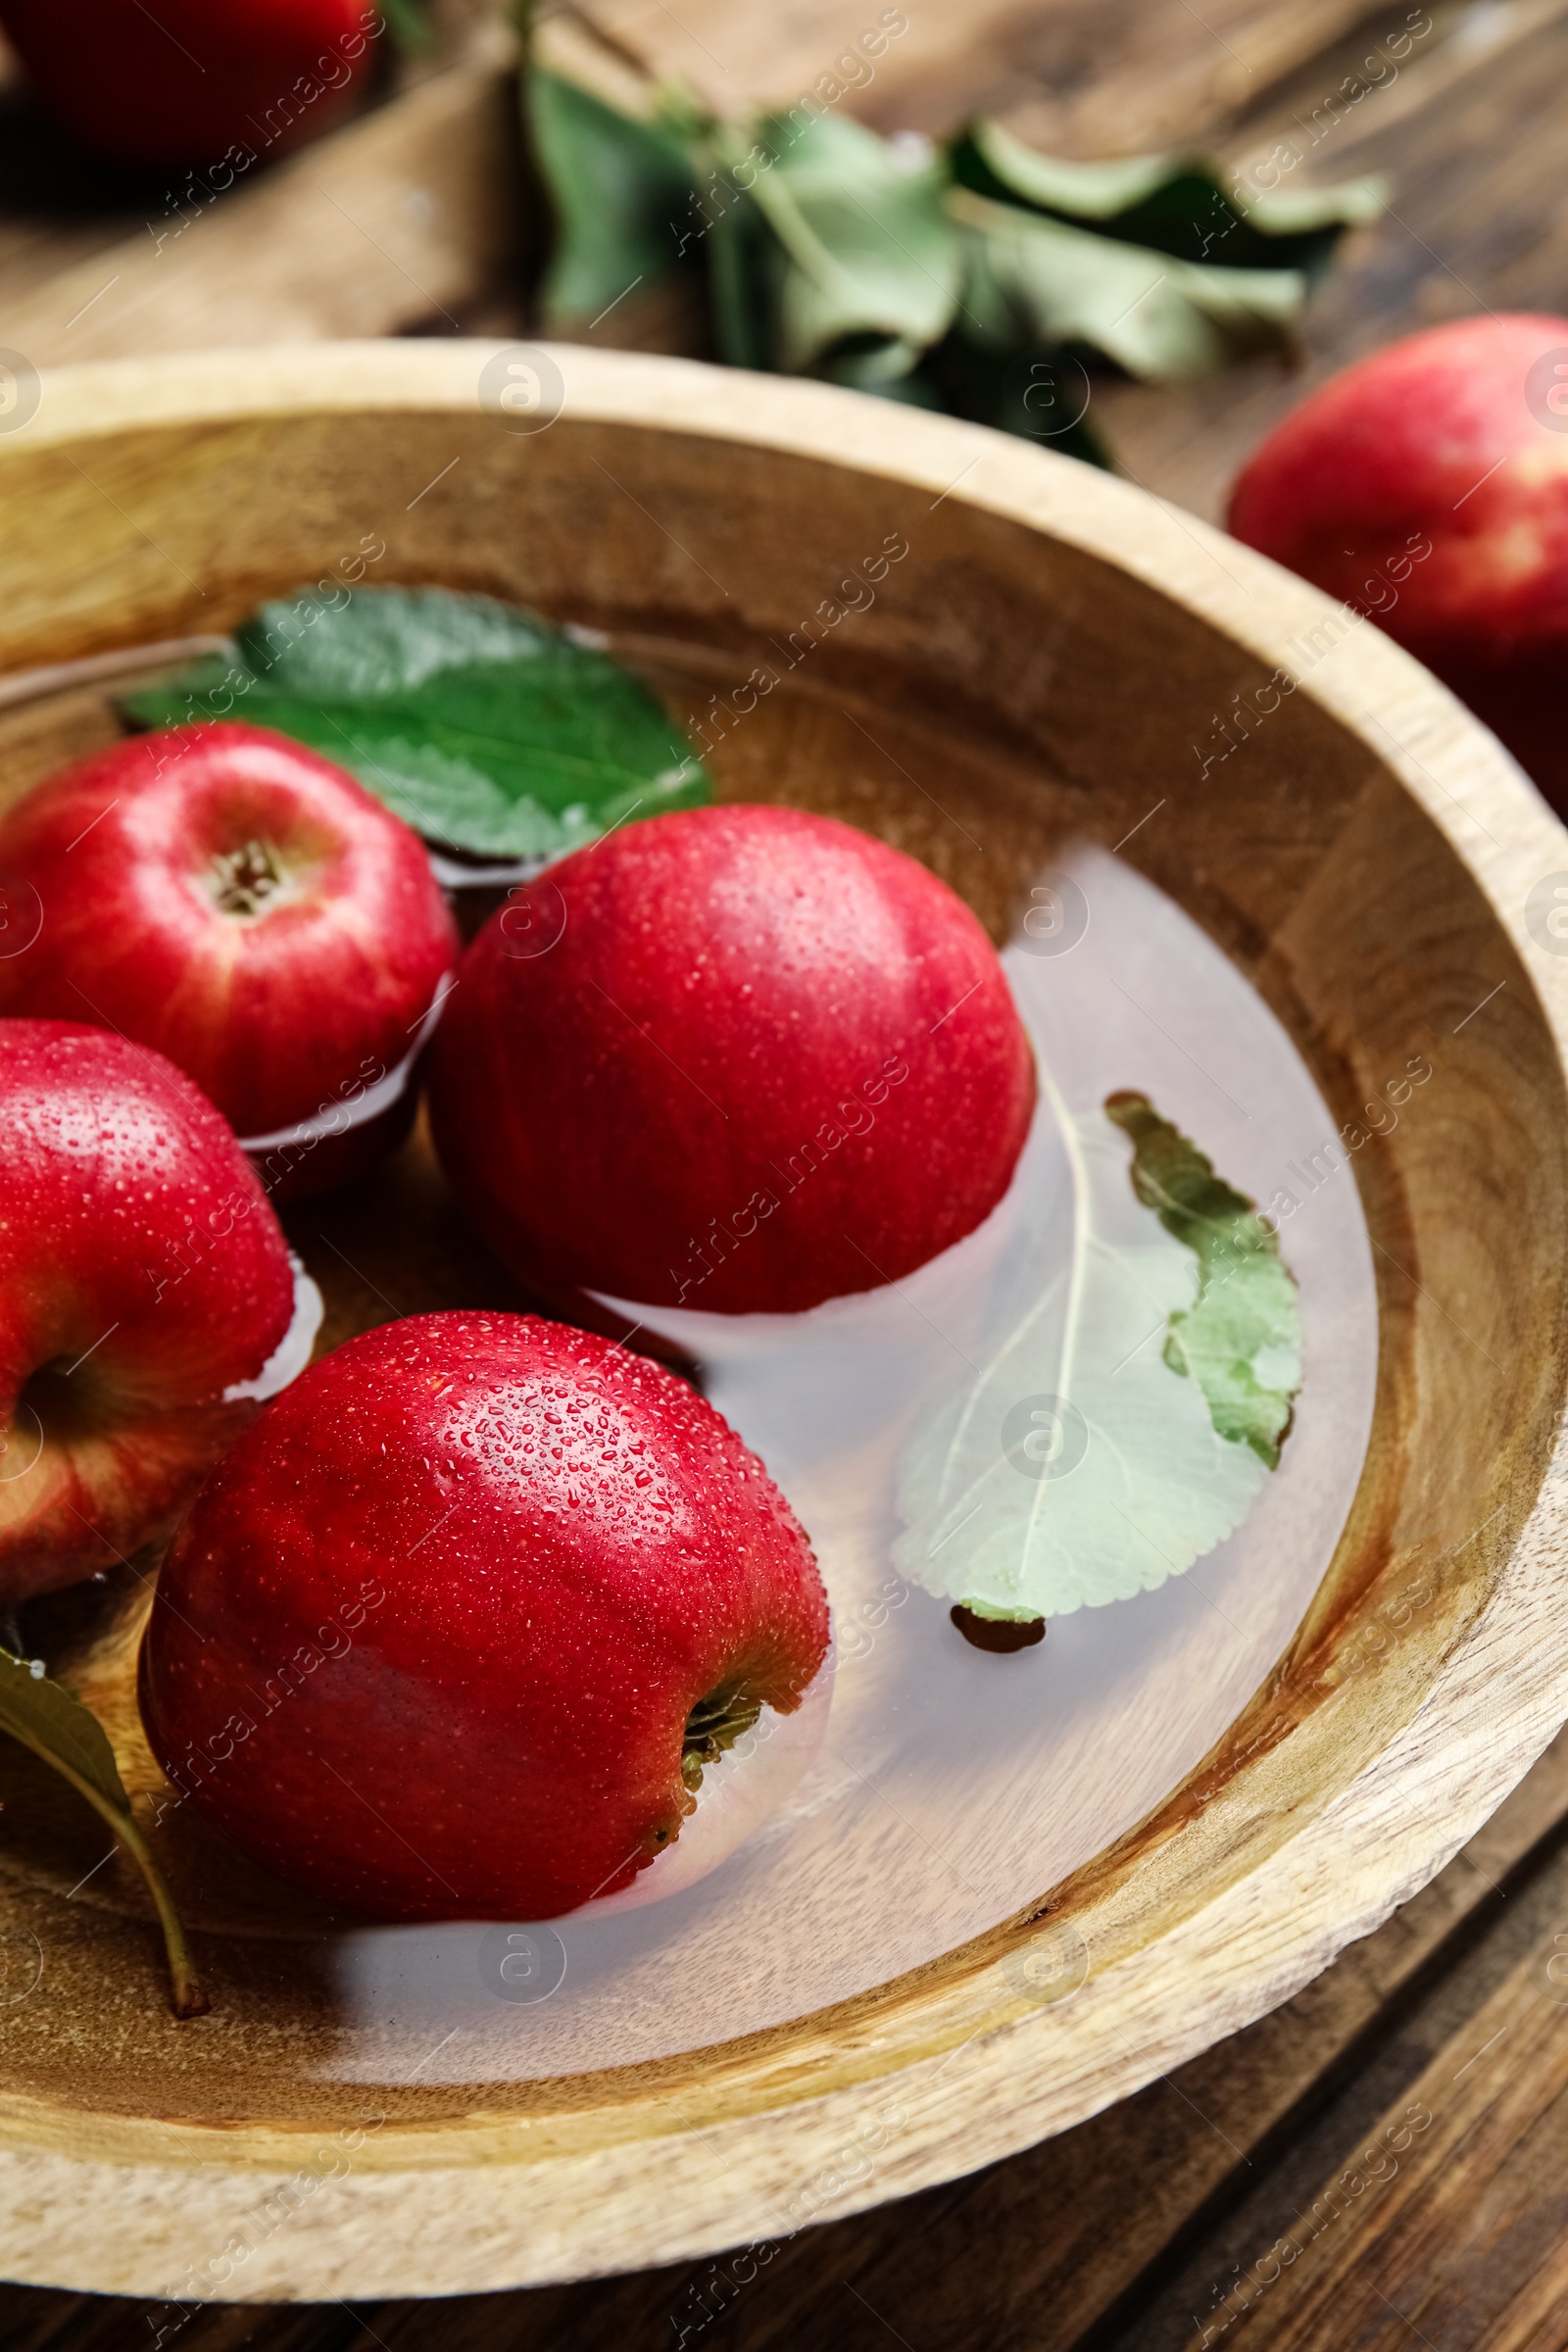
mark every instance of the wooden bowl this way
{"type": "Point", "coordinates": [1076, 651]}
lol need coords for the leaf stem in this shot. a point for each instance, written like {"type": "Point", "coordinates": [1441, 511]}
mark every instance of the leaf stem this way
{"type": "Point", "coordinates": [187, 1998]}
{"type": "Point", "coordinates": [790, 225]}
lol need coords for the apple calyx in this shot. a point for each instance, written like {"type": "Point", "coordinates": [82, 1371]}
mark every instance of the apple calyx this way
{"type": "Point", "coordinates": [714, 1724]}
{"type": "Point", "coordinates": [244, 879]}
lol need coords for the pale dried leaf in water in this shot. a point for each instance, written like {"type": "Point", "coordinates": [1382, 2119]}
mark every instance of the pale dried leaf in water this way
{"type": "Point", "coordinates": [1100, 1451]}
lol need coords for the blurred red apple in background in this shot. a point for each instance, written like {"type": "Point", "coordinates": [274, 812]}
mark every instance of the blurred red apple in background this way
{"type": "Point", "coordinates": [457, 1626]}
{"type": "Point", "coordinates": [147, 1300]}
{"type": "Point", "coordinates": [191, 82]}
{"type": "Point", "coordinates": [247, 909]}
{"type": "Point", "coordinates": [1455, 442]}
{"type": "Point", "coordinates": [740, 1059]}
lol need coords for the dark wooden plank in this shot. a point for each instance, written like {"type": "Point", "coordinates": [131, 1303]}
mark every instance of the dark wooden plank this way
{"type": "Point", "coordinates": [1081, 76]}
{"type": "Point", "coordinates": [1027, 2256]}
{"type": "Point", "coordinates": [1428, 2204]}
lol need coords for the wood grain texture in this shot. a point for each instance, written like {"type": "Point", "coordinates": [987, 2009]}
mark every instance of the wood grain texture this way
{"type": "Point", "coordinates": [1028, 2256]}
{"type": "Point", "coordinates": [1081, 639]}
{"type": "Point", "coordinates": [1078, 76]}
{"type": "Point", "coordinates": [1426, 2199]}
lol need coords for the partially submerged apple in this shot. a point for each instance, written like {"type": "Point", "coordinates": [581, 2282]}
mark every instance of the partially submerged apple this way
{"type": "Point", "coordinates": [1427, 487]}
{"type": "Point", "coordinates": [147, 1300]}
{"type": "Point", "coordinates": [227, 897]}
{"type": "Point", "coordinates": [738, 1059]}
{"type": "Point", "coordinates": [456, 1627]}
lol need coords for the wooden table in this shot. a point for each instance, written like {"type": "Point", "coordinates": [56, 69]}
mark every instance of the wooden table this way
{"type": "Point", "coordinates": [1383, 2163]}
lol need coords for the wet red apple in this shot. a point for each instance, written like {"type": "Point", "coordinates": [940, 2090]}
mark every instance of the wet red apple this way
{"type": "Point", "coordinates": [740, 1059]}
{"type": "Point", "coordinates": [225, 896]}
{"type": "Point", "coordinates": [147, 1300]}
{"type": "Point", "coordinates": [1427, 487]}
{"type": "Point", "coordinates": [456, 1627]}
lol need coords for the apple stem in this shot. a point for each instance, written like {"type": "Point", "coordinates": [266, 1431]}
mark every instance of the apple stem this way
{"type": "Point", "coordinates": [714, 1724]}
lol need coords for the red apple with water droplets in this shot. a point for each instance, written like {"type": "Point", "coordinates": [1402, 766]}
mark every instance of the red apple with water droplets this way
{"type": "Point", "coordinates": [739, 1058]}
{"type": "Point", "coordinates": [147, 1300]}
{"type": "Point", "coordinates": [455, 1629]}
{"type": "Point", "coordinates": [225, 896]}
{"type": "Point", "coordinates": [1427, 487]}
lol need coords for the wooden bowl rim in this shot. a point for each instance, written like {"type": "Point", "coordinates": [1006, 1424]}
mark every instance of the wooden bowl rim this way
{"type": "Point", "coordinates": [972, 2072]}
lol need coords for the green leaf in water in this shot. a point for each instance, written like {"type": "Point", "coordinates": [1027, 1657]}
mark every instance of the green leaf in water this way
{"type": "Point", "coordinates": [478, 723]}
{"type": "Point", "coordinates": [1082, 1464]}
{"type": "Point", "coordinates": [44, 1716]}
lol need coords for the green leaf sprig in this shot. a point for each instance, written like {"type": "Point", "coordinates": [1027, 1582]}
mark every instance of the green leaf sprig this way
{"type": "Point", "coordinates": [976, 276]}
{"type": "Point", "coordinates": [478, 723]}
{"type": "Point", "coordinates": [45, 1717]}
